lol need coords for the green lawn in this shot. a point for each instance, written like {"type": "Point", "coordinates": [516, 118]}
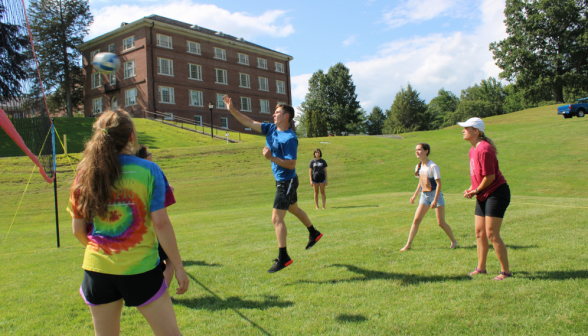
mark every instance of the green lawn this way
{"type": "Point", "coordinates": [354, 281]}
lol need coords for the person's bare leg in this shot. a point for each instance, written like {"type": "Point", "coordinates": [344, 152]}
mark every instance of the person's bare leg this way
{"type": "Point", "coordinates": [418, 217]}
{"type": "Point", "coordinates": [168, 274]}
{"type": "Point", "coordinates": [323, 194]}
{"type": "Point", "coordinates": [106, 318]}
{"type": "Point", "coordinates": [481, 242]}
{"type": "Point", "coordinates": [316, 191]}
{"type": "Point", "coordinates": [280, 226]}
{"type": "Point", "coordinates": [161, 316]}
{"type": "Point", "coordinates": [440, 213]}
{"type": "Point", "coordinates": [300, 214]}
{"type": "Point", "coordinates": [493, 225]}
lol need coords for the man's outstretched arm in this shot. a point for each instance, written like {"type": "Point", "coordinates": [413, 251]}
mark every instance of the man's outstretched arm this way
{"type": "Point", "coordinates": [243, 119]}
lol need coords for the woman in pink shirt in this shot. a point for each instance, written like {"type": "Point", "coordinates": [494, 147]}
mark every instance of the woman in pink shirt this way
{"type": "Point", "coordinates": [492, 194]}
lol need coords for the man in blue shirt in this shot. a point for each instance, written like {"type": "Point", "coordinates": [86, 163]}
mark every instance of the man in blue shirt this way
{"type": "Point", "coordinates": [281, 146]}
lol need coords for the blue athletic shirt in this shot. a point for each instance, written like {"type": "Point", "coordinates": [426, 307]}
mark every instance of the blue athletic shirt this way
{"type": "Point", "coordinates": [284, 145]}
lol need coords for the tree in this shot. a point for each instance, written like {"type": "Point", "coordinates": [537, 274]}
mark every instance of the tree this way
{"type": "Point", "coordinates": [468, 109]}
{"type": "Point", "coordinates": [490, 91]}
{"type": "Point", "coordinates": [14, 58]}
{"type": "Point", "coordinates": [359, 127]}
{"type": "Point", "coordinates": [375, 121]}
{"type": "Point", "coordinates": [58, 26]}
{"type": "Point", "coordinates": [408, 113]}
{"type": "Point", "coordinates": [313, 107]}
{"type": "Point", "coordinates": [547, 46]}
{"type": "Point", "coordinates": [445, 103]}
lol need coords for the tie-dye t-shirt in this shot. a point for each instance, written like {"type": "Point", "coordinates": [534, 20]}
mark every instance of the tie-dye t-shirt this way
{"type": "Point", "coordinates": [124, 241]}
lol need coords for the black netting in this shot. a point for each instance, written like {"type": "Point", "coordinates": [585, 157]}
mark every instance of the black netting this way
{"type": "Point", "coordinates": [21, 97]}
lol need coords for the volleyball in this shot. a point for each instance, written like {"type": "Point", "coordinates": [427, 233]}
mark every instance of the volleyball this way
{"type": "Point", "coordinates": [106, 62]}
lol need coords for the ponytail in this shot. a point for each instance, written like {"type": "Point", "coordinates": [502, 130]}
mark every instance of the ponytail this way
{"type": "Point", "coordinates": [418, 170]}
{"type": "Point", "coordinates": [489, 141]}
{"type": "Point", "coordinates": [100, 169]}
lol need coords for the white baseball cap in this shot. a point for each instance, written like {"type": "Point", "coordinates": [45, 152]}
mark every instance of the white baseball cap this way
{"type": "Point", "coordinates": [473, 122]}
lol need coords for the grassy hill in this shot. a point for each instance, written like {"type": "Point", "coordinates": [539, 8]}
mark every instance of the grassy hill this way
{"type": "Point", "coordinates": [354, 281]}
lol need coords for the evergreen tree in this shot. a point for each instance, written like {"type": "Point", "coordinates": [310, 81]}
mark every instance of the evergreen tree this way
{"type": "Point", "coordinates": [408, 113]}
{"type": "Point", "coordinates": [490, 91]}
{"type": "Point", "coordinates": [314, 107]}
{"type": "Point", "coordinates": [547, 46]}
{"type": "Point", "coordinates": [14, 58]}
{"type": "Point", "coordinates": [58, 26]}
{"type": "Point", "coordinates": [375, 121]}
{"type": "Point", "coordinates": [446, 102]}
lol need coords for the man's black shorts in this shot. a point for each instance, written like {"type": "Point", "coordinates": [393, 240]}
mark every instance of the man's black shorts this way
{"type": "Point", "coordinates": [495, 205]}
{"type": "Point", "coordinates": [286, 194]}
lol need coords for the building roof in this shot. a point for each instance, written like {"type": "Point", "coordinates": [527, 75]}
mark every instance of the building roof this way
{"type": "Point", "coordinates": [185, 26]}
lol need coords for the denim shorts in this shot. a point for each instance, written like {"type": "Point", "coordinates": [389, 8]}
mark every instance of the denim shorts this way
{"type": "Point", "coordinates": [427, 198]}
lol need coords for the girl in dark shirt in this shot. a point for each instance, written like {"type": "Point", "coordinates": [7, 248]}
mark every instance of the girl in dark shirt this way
{"type": "Point", "coordinates": [317, 171]}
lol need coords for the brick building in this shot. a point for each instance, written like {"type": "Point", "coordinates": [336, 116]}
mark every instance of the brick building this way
{"type": "Point", "coordinates": [170, 66]}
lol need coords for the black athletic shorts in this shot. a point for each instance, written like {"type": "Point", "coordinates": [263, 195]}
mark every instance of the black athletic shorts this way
{"type": "Point", "coordinates": [137, 290]}
{"type": "Point", "coordinates": [495, 205]}
{"type": "Point", "coordinates": [286, 194]}
{"type": "Point", "coordinates": [162, 254]}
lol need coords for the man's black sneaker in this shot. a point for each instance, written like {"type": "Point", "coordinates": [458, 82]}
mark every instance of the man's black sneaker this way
{"type": "Point", "coordinates": [279, 265]}
{"type": "Point", "coordinates": [313, 239]}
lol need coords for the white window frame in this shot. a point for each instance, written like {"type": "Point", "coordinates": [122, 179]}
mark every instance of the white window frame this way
{"type": "Point", "coordinates": [198, 120]}
{"type": "Point", "coordinates": [131, 99]}
{"type": "Point", "coordinates": [170, 66]}
{"type": "Point", "coordinates": [129, 68]}
{"type": "Point", "coordinates": [200, 98]}
{"type": "Point", "coordinates": [170, 93]}
{"type": "Point", "coordinates": [220, 53]}
{"type": "Point", "coordinates": [247, 106]}
{"type": "Point", "coordinates": [278, 65]}
{"type": "Point", "coordinates": [112, 79]}
{"type": "Point", "coordinates": [247, 83]}
{"type": "Point", "coordinates": [197, 47]}
{"type": "Point", "coordinates": [266, 103]}
{"type": "Point", "coordinates": [129, 43]}
{"type": "Point", "coordinates": [264, 80]}
{"type": "Point", "coordinates": [226, 122]}
{"type": "Point", "coordinates": [168, 116]}
{"type": "Point", "coordinates": [261, 63]}
{"type": "Point", "coordinates": [198, 71]}
{"type": "Point", "coordinates": [96, 80]}
{"type": "Point", "coordinates": [164, 41]}
{"type": "Point", "coordinates": [245, 59]}
{"type": "Point", "coordinates": [282, 103]}
{"type": "Point", "coordinates": [224, 75]}
{"type": "Point", "coordinates": [97, 105]}
{"type": "Point", "coordinates": [111, 50]}
{"type": "Point", "coordinates": [220, 104]}
{"type": "Point", "coordinates": [92, 54]}
{"type": "Point", "coordinates": [282, 86]}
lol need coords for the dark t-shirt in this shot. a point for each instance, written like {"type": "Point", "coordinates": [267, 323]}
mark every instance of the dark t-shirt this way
{"type": "Point", "coordinates": [318, 170]}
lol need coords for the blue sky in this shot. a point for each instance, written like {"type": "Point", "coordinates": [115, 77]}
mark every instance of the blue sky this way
{"type": "Point", "coordinates": [386, 44]}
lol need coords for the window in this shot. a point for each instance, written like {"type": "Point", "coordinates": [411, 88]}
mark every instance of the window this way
{"type": "Point", "coordinates": [261, 63]}
{"type": "Point", "coordinates": [281, 103]}
{"type": "Point", "coordinates": [244, 80]}
{"type": "Point", "coordinates": [97, 106]}
{"type": "Point", "coordinates": [166, 95]}
{"type": "Point", "coordinates": [263, 85]}
{"type": "Point", "coordinates": [111, 48]}
{"type": "Point", "coordinates": [193, 47]}
{"type": "Point", "coordinates": [112, 79]}
{"type": "Point", "coordinates": [220, 53]}
{"type": "Point", "coordinates": [225, 123]}
{"type": "Point", "coordinates": [221, 76]}
{"type": "Point", "coordinates": [247, 128]}
{"type": "Point", "coordinates": [279, 67]}
{"type": "Point", "coordinates": [165, 66]}
{"type": "Point", "coordinates": [245, 104]}
{"type": "Point", "coordinates": [130, 69]}
{"type": "Point", "coordinates": [220, 102]}
{"type": "Point", "coordinates": [194, 71]}
{"type": "Point", "coordinates": [264, 106]}
{"type": "Point", "coordinates": [92, 54]}
{"type": "Point", "coordinates": [198, 120]}
{"type": "Point", "coordinates": [131, 97]}
{"type": "Point", "coordinates": [281, 86]}
{"type": "Point", "coordinates": [243, 59]}
{"type": "Point", "coordinates": [168, 116]}
{"type": "Point", "coordinates": [164, 41]}
{"type": "Point", "coordinates": [196, 98]}
{"type": "Point", "coordinates": [96, 83]}
{"type": "Point", "coordinates": [129, 43]}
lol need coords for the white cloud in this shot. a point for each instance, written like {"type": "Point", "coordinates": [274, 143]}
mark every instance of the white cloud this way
{"type": "Point", "coordinates": [422, 10]}
{"type": "Point", "coordinates": [299, 87]}
{"type": "Point", "coordinates": [272, 23]}
{"type": "Point", "coordinates": [350, 40]}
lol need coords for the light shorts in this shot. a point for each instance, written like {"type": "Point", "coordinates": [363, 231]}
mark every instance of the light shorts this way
{"type": "Point", "coordinates": [427, 198]}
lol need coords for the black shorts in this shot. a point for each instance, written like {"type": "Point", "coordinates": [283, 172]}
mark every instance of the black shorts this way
{"type": "Point", "coordinates": [162, 254]}
{"type": "Point", "coordinates": [137, 290]}
{"type": "Point", "coordinates": [495, 205]}
{"type": "Point", "coordinates": [319, 178]}
{"type": "Point", "coordinates": [286, 194]}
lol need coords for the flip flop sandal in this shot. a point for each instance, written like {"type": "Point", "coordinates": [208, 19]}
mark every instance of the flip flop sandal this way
{"type": "Point", "coordinates": [506, 276]}
{"type": "Point", "coordinates": [478, 271]}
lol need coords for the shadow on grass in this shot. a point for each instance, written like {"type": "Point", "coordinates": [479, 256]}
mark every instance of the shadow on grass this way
{"type": "Point", "coordinates": [553, 275]}
{"type": "Point", "coordinates": [404, 279]}
{"type": "Point", "coordinates": [510, 247]}
{"type": "Point", "coordinates": [199, 263]}
{"type": "Point", "coordinates": [147, 140]}
{"type": "Point", "coordinates": [356, 206]}
{"type": "Point", "coordinates": [213, 303]}
{"type": "Point", "coordinates": [354, 318]}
